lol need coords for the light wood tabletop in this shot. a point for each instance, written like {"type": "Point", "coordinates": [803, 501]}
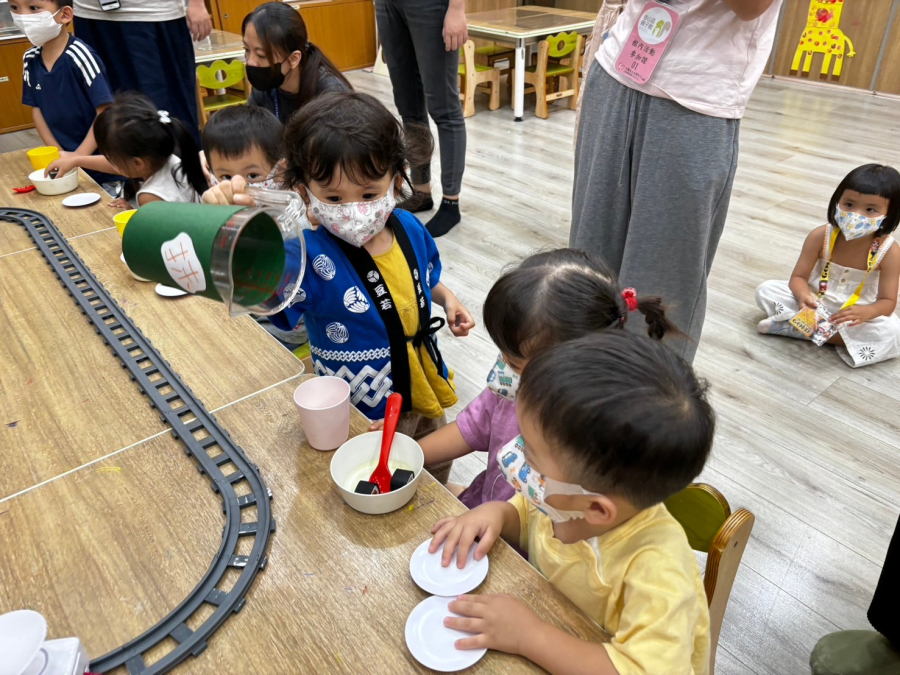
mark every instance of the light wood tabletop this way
{"type": "Point", "coordinates": [107, 551]}
{"type": "Point", "coordinates": [64, 400]}
{"type": "Point", "coordinates": [219, 45]}
{"type": "Point", "coordinates": [14, 171]}
{"type": "Point", "coordinates": [528, 22]}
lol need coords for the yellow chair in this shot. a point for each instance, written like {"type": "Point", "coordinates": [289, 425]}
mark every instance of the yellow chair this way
{"type": "Point", "coordinates": [559, 59]}
{"type": "Point", "coordinates": [712, 528]}
{"type": "Point", "coordinates": [217, 76]}
{"type": "Point", "coordinates": [471, 76]}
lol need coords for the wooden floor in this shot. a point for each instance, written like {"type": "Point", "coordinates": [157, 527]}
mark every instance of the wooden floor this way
{"type": "Point", "coordinates": [825, 507]}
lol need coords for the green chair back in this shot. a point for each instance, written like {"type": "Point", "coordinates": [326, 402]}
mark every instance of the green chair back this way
{"type": "Point", "coordinates": [232, 74]}
{"type": "Point", "coordinates": [562, 45]}
{"type": "Point", "coordinates": [701, 510]}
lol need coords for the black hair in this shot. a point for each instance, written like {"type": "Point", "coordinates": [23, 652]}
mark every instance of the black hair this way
{"type": "Point", "coordinates": [282, 30]}
{"type": "Point", "coordinates": [354, 132]}
{"type": "Point", "coordinates": [234, 131]}
{"type": "Point", "coordinates": [628, 416]}
{"type": "Point", "coordinates": [133, 127]}
{"type": "Point", "coordinates": [872, 179]}
{"type": "Point", "coordinates": [64, 3]}
{"type": "Point", "coordinates": [557, 295]}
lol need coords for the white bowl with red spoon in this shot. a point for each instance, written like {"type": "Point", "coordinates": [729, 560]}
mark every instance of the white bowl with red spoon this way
{"type": "Point", "coordinates": [378, 472]}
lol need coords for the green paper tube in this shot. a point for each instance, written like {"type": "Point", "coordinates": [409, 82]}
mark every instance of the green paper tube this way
{"type": "Point", "coordinates": [173, 243]}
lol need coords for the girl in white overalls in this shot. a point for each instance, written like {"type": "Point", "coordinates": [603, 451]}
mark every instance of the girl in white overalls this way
{"type": "Point", "coordinates": [851, 268]}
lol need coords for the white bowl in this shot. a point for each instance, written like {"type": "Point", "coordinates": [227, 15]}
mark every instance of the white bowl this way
{"type": "Point", "coordinates": [54, 186]}
{"type": "Point", "coordinates": [357, 458]}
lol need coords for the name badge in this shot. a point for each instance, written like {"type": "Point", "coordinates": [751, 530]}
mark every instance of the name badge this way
{"type": "Point", "coordinates": [649, 38]}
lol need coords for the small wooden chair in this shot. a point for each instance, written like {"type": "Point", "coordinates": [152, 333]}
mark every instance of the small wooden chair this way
{"type": "Point", "coordinates": [494, 53]}
{"type": "Point", "coordinates": [712, 528]}
{"type": "Point", "coordinates": [216, 76]}
{"type": "Point", "coordinates": [471, 76]}
{"type": "Point", "coordinates": [559, 58]}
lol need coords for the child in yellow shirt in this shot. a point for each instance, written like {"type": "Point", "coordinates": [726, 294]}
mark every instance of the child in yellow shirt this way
{"type": "Point", "coordinates": [611, 425]}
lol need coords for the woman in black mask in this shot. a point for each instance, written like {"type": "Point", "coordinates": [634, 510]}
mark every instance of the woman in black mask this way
{"type": "Point", "coordinates": [285, 69]}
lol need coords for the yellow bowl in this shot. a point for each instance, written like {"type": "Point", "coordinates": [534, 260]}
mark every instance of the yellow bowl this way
{"type": "Point", "coordinates": [42, 157]}
{"type": "Point", "coordinates": [121, 220]}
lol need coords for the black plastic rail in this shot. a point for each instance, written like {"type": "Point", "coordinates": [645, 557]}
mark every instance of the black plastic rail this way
{"type": "Point", "coordinates": [204, 440]}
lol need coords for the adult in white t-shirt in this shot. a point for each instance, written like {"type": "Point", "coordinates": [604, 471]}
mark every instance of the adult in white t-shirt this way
{"type": "Point", "coordinates": [146, 46]}
{"type": "Point", "coordinates": [655, 161]}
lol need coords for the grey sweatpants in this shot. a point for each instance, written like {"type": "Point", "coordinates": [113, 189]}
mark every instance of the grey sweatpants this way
{"type": "Point", "coordinates": [652, 185]}
{"type": "Point", "coordinates": [425, 79]}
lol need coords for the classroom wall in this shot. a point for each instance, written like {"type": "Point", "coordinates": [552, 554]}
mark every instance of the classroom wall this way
{"type": "Point", "coordinates": [863, 21]}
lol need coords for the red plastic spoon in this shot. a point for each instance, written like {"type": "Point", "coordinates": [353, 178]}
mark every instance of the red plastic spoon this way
{"type": "Point", "coordinates": [381, 476]}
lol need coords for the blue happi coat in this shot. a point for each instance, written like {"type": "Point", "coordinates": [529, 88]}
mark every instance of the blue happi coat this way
{"type": "Point", "coordinates": [346, 334]}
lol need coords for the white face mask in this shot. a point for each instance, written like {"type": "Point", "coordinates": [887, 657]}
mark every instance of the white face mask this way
{"type": "Point", "coordinates": [533, 486]}
{"type": "Point", "coordinates": [38, 28]}
{"type": "Point", "coordinates": [855, 225]}
{"type": "Point", "coordinates": [354, 222]}
{"type": "Point", "coordinates": [503, 380]}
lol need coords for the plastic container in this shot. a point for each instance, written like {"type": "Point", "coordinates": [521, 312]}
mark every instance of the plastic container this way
{"type": "Point", "coordinates": [324, 407]}
{"type": "Point", "coordinates": [251, 258]}
{"type": "Point", "coordinates": [121, 220]}
{"type": "Point", "coordinates": [54, 186]}
{"type": "Point", "coordinates": [43, 157]}
{"type": "Point", "coordinates": [355, 460]}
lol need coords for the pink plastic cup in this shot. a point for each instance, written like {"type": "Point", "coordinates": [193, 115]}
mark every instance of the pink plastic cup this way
{"type": "Point", "coordinates": [324, 406]}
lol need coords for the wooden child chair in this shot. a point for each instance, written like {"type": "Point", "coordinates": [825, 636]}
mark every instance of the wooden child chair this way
{"type": "Point", "coordinates": [471, 76]}
{"type": "Point", "coordinates": [559, 58]}
{"type": "Point", "coordinates": [216, 76]}
{"type": "Point", "coordinates": [494, 53]}
{"type": "Point", "coordinates": [712, 528]}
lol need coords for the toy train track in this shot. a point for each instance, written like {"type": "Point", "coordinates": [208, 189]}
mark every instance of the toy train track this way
{"type": "Point", "coordinates": [203, 439]}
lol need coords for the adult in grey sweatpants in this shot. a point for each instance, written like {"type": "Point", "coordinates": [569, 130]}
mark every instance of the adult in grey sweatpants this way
{"type": "Point", "coordinates": [420, 40]}
{"type": "Point", "coordinates": [652, 185]}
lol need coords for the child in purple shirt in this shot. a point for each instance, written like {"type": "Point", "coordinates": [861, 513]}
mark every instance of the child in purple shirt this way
{"type": "Point", "coordinates": [552, 297]}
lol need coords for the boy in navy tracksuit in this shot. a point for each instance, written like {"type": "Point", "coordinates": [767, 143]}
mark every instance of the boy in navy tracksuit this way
{"type": "Point", "coordinates": [65, 84]}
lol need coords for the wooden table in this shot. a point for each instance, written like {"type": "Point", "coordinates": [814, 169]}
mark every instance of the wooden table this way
{"type": "Point", "coordinates": [219, 45]}
{"type": "Point", "coordinates": [525, 26]}
{"type": "Point", "coordinates": [105, 524]}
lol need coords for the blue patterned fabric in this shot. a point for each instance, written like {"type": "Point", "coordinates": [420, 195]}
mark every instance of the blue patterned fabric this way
{"type": "Point", "coordinates": [346, 334]}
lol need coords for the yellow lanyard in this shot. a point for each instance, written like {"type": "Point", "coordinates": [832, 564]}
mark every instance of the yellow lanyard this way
{"type": "Point", "coordinates": [870, 265]}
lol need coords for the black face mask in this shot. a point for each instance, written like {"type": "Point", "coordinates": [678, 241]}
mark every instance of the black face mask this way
{"type": "Point", "coordinates": [265, 78]}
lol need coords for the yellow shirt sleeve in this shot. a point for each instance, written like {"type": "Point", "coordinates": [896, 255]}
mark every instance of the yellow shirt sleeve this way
{"type": "Point", "coordinates": [522, 507]}
{"type": "Point", "coordinates": [659, 610]}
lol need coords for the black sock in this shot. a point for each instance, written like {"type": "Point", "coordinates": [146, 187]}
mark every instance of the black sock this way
{"type": "Point", "coordinates": [445, 219]}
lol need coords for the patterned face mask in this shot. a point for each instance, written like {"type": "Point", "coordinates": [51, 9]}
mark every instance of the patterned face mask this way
{"type": "Point", "coordinates": [354, 222]}
{"type": "Point", "coordinates": [503, 380]}
{"type": "Point", "coordinates": [855, 225]}
{"type": "Point", "coordinates": [533, 486]}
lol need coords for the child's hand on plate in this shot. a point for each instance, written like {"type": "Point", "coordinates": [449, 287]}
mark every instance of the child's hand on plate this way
{"type": "Point", "coordinates": [458, 533]}
{"type": "Point", "coordinates": [498, 622]}
{"type": "Point", "coordinates": [229, 192]}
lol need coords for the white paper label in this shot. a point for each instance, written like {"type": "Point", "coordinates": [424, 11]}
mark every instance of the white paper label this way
{"type": "Point", "coordinates": [183, 264]}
